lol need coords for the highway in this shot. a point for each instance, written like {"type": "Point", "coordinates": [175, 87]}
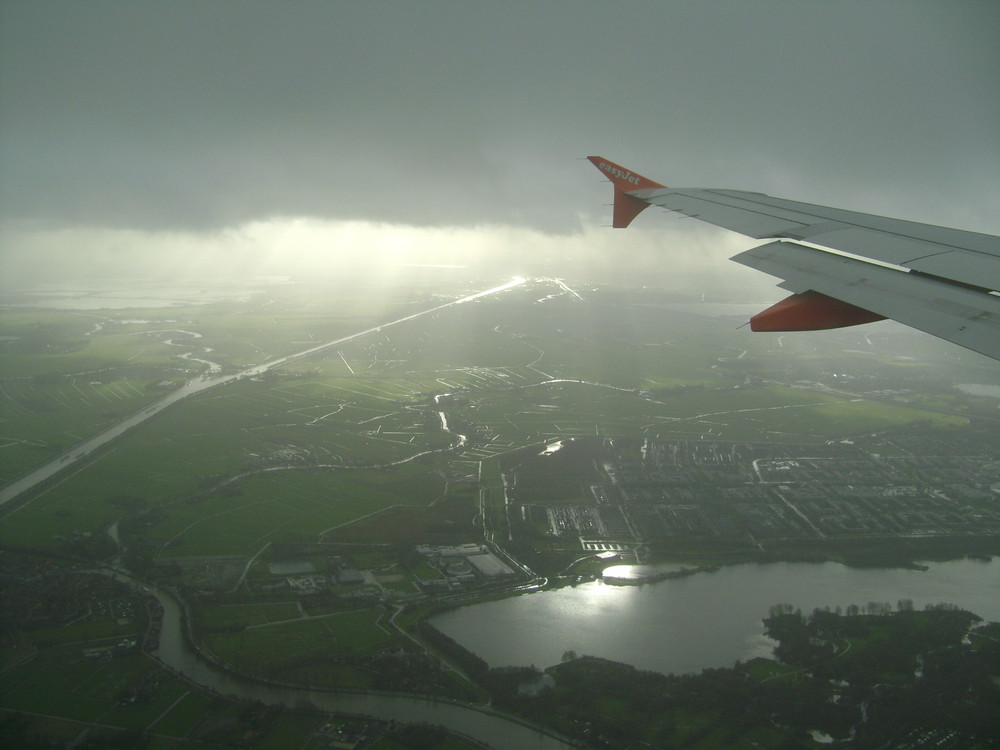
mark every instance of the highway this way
{"type": "Point", "coordinates": [202, 383]}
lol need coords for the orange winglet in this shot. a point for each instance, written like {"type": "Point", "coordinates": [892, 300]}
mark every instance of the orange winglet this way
{"type": "Point", "coordinates": [627, 207]}
{"type": "Point", "coordinates": [811, 311]}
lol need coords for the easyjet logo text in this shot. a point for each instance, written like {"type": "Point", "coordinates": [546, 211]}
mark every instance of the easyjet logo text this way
{"type": "Point", "coordinates": [619, 174]}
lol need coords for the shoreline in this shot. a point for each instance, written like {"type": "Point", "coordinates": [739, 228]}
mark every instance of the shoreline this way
{"type": "Point", "coordinates": [653, 576]}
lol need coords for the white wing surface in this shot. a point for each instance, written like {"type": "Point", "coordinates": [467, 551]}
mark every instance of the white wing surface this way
{"type": "Point", "coordinates": [939, 280]}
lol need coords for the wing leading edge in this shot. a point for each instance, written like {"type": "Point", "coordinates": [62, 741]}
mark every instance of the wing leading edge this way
{"type": "Point", "coordinates": [938, 280]}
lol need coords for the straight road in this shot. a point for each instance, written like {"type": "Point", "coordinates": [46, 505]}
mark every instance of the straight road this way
{"type": "Point", "coordinates": [197, 385]}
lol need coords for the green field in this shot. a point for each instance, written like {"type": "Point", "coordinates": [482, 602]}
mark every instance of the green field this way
{"type": "Point", "coordinates": [63, 682]}
{"type": "Point", "coordinates": [61, 694]}
{"type": "Point", "coordinates": [281, 456]}
{"type": "Point", "coordinates": [310, 651]}
{"type": "Point", "coordinates": [247, 614]}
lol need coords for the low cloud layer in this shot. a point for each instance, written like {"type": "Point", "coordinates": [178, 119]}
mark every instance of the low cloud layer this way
{"type": "Point", "coordinates": [207, 119]}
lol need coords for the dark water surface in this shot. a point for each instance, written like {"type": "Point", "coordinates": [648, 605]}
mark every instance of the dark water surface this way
{"type": "Point", "coordinates": [704, 620]}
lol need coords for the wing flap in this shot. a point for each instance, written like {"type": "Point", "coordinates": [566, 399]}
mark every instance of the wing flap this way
{"type": "Point", "coordinates": [967, 317]}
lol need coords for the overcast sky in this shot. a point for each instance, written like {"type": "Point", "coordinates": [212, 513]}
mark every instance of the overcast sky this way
{"type": "Point", "coordinates": [130, 128]}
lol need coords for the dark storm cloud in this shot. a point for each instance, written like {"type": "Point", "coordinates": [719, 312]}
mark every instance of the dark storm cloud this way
{"type": "Point", "coordinates": [198, 115]}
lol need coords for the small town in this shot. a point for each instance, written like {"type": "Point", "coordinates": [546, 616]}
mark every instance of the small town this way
{"type": "Point", "coordinates": [654, 491]}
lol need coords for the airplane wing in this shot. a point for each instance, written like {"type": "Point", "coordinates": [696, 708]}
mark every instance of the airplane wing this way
{"type": "Point", "coordinates": [855, 268]}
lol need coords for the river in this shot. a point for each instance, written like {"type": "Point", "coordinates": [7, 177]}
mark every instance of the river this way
{"type": "Point", "coordinates": [197, 385]}
{"type": "Point", "coordinates": [709, 619]}
{"type": "Point", "coordinates": [494, 728]}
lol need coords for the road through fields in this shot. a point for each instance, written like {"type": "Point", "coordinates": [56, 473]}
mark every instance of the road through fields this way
{"type": "Point", "coordinates": [199, 384]}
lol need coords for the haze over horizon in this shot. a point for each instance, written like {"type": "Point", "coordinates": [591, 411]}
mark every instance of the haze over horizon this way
{"type": "Point", "coordinates": [194, 138]}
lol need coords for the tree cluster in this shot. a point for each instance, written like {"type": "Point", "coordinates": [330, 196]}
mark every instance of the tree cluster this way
{"type": "Point", "coordinates": [871, 678]}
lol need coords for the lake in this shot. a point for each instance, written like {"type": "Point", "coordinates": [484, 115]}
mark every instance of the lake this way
{"type": "Point", "coordinates": [709, 619]}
